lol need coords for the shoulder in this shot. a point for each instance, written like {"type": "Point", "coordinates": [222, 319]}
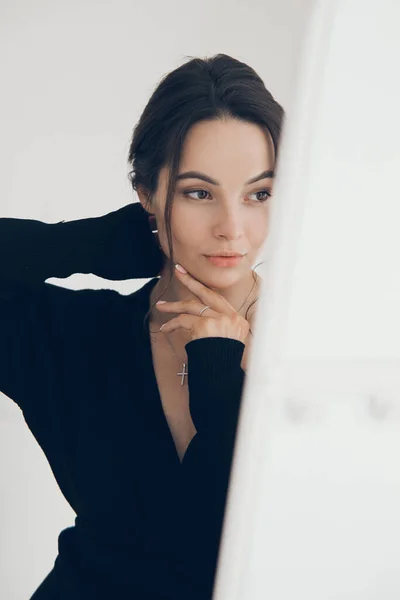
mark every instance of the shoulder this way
{"type": "Point", "coordinates": [76, 312]}
{"type": "Point", "coordinates": [86, 312]}
{"type": "Point", "coordinates": [64, 298]}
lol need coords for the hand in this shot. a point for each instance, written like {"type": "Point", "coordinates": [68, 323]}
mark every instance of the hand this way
{"type": "Point", "coordinates": [221, 320]}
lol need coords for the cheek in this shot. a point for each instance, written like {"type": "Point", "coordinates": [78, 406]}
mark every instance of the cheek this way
{"type": "Point", "coordinates": [189, 227]}
{"type": "Point", "coordinates": [258, 231]}
{"type": "Point", "coordinates": [187, 230]}
{"type": "Point", "coordinates": [191, 236]}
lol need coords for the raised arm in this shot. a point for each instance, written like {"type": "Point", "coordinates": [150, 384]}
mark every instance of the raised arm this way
{"type": "Point", "coordinates": [38, 318]}
{"type": "Point", "coordinates": [118, 245]}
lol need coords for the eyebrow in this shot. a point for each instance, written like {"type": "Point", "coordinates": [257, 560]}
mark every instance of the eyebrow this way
{"type": "Point", "coordinates": [198, 175]}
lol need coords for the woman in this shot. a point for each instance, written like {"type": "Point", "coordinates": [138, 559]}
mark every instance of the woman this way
{"type": "Point", "coordinates": [136, 419]}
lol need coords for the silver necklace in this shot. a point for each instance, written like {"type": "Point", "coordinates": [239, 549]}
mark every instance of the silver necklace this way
{"type": "Point", "coordinates": [184, 372]}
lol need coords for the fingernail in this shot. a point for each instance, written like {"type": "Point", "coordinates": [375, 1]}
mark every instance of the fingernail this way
{"type": "Point", "coordinates": [180, 268]}
{"type": "Point", "coordinates": [161, 302]}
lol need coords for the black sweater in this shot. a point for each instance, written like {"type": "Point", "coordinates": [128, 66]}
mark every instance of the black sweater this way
{"type": "Point", "coordinates": [79, 366]}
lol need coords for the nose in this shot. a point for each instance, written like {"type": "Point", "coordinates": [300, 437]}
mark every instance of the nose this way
{"type": "Point", "coordinates": [229, 223]}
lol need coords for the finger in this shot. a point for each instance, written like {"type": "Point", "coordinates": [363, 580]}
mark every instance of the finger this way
{"type": "Point", "coordinates": [191, 307]}
{"type": "Point", "coordinates": [184, 321]}
{"type": "Point", "coordinates": [207, 296]}
{"type": "Point", "coordinates": [209, 327]}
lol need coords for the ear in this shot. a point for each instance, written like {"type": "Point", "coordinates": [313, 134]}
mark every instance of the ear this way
{"type": "Point", "coordinates": [144, 198]}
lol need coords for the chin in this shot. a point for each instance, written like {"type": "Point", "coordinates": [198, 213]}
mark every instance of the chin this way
{"type": "Point", "coordinates": [220, 278]}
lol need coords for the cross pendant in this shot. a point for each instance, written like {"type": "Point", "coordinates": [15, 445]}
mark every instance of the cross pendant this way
{"type": "Point", "coordinates": [183, 374]}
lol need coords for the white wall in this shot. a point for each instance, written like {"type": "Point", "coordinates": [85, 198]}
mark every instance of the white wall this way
{"type": "Point", "coordinates": [75, 78]}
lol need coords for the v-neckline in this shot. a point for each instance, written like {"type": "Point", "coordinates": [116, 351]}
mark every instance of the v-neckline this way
{"type": "Point", "coordinates": [146, 292]}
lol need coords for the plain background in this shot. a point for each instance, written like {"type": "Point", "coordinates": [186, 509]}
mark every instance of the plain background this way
{"type": "Point", "coordinates": [75, 78]}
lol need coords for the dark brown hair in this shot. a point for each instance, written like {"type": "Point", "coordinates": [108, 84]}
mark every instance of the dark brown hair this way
{"type": "Point", "coordinates": [206, 89]}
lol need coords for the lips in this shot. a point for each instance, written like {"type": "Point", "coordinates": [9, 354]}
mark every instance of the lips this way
{"type": "Point", "coordinates": [228, 255]}
{"type": "Point", "coordinates": [225, 261]}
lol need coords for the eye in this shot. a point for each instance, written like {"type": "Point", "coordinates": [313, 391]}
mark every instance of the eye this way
{"type": "Point", "coordinates": [188, 192]}
{"type": "Point", "coordinates": [268, 195]}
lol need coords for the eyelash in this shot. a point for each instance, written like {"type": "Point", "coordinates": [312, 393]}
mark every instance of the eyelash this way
{"type": "Point", "coordinates": [266, 191]}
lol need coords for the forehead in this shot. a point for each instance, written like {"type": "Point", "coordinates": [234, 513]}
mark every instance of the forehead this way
{"type": "Point", "coordinates": [213, 146]}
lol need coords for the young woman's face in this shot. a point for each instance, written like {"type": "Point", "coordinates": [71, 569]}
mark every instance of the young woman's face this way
{"type": "Point", "coordinates": [228, 214]}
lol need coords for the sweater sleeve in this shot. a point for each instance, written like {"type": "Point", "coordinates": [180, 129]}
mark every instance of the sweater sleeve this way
{"type": "Point", "coordinates": [35, 315]}
{"type": "Point", "coordinates": [216, 383]}
{"type": "Point", "coordinates": [116, 246]}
